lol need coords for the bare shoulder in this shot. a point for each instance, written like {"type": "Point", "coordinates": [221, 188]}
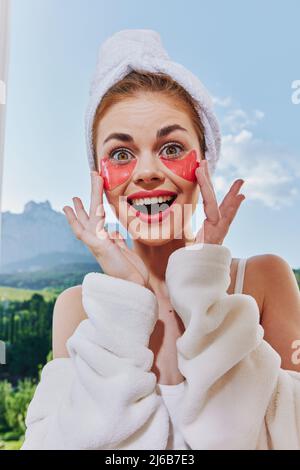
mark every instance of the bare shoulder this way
{"type": "Point", "coordinates": [264, 275]}
{"type": "Point", "coordinates": [67, 314]}
{"type": "Point", "coordinates": [278, 279]}
{"type": "Point", "coordinates": [256, 270]}
{"type": "Point", "coordinates": [267, 269]}
{"type": "Point", "coordinates": [271, 264]}
{"type": "Point", "coordinates": [255, 276]}
{"type": "Point", "coordinates": [280, 317]}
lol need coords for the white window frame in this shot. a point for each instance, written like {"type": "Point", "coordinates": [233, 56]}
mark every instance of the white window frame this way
{"type": "Point", "coordinates": [4, 53]}
{"type": "Point", "coordinates": [5, 7]}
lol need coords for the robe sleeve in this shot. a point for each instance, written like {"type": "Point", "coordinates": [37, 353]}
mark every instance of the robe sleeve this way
{"type": "Point", "coordinates": [236, 395]}
{"type": "Point", "coordinates": [104, 395]}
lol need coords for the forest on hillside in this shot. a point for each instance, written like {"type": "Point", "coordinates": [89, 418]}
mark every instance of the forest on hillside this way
{"type": "Point", "coordinates": [26, 330]}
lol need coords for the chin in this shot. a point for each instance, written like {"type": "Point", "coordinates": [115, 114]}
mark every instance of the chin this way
{"type": "Point", "coordinates": [153, 242]}
{"type": "Point", "coordinates": [156, 234]}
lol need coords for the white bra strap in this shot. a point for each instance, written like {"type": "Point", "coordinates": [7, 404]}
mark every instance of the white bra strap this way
{"type": "Point", "coordinates": [240, 276]}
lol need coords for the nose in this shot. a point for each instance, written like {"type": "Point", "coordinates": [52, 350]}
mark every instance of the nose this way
{"type": "Point", "coordinates": [147, 171]}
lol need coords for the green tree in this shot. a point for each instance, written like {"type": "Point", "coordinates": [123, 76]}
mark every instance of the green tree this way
{"type": "Point", "coordinates": [5, 392]}
{"type": "Point", "coordinates": [16, 405]}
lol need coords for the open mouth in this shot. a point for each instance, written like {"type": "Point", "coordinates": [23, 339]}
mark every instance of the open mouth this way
{"type": "Point", "coordinates": [154, 205]}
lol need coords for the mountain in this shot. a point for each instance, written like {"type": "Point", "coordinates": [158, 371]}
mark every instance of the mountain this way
{"type": "Point", "coordinates": [39, 250]}
{"type": "Point", "coordinates": [40, 239]}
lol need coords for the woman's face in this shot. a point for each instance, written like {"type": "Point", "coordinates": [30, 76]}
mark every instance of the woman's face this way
{"type": "Point", "coordinates": [140, 159]}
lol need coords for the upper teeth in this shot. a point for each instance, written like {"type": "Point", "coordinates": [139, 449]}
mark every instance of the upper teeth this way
{"type": "Point", "coordinates": [151, 200]}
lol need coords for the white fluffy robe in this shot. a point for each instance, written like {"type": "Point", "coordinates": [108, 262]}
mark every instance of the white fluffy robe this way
{"type": "Point", "coordinates": [237, 396]}
{"type": "Point", "coordinates": [104, 397]}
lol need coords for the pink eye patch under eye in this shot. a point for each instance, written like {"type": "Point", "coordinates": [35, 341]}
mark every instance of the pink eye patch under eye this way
{"type": "Point", "coordinates": [114, 174]}
{"type": "Point", "coordinates": [183, 167]}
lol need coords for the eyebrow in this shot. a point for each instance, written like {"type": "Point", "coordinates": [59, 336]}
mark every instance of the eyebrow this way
{"type": "Point", "coordinates": [163, 132]}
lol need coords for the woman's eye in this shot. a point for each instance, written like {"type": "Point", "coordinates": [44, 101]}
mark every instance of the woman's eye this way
{"type": "Point", "coordinates": [171, 150]}
{"type": "Point", "coordinates": [120, 156]}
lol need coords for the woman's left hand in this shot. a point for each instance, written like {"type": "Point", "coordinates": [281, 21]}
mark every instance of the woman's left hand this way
{"type": "Point", "coordinates": [218, 218]}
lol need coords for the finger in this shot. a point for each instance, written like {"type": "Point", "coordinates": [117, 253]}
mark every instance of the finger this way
{"type": "Point", "coordinates": [205, 166]}
{"type": "Point", "coordinates": [97, 212]}
{"type": "Point", "coordinates": [100, 180]}
{"type": "Point", "coordinates": [231, 210]}
{"type": "Point", "coordinates": [96, 206]}
{"type": "Point", "coordinates": [230, 196]}
{"type": "Point", "coordinates": [132, 260]}
{"type": "Point", "coordinates": [80, 211]}
{"type": "Point", "coordinates": [208, 177]}
{"type": "Point", "coordinates": [86, 236]}
{"type": "Point", "coordinates": [73, 222]}
{"type": "Point", "coordinates": [118, 238]}
{"type": "Point", "coordinates": [210, 203]}
{"type": "Point", "coordinates": [200, 235]}
{"type": "Point", "coordinates": [101, 232]}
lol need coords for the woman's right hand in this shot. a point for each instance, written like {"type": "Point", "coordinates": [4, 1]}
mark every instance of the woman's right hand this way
{"type": "Point", "coordinates": [110, 250]}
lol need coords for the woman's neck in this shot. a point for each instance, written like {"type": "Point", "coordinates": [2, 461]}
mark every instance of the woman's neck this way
{"type": "Point", "coordinates": [156, 260]}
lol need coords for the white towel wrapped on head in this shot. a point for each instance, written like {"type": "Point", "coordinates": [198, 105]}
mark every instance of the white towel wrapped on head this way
{"type": "Point", "coordinates": [142, 49]}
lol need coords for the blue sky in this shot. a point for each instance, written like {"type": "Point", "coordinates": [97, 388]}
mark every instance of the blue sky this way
{"type": "Point", "coordinates": [247, 55]}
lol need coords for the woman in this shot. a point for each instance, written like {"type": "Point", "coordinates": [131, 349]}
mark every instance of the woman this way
{"type": "Point", "coordinates": [165, 350]}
